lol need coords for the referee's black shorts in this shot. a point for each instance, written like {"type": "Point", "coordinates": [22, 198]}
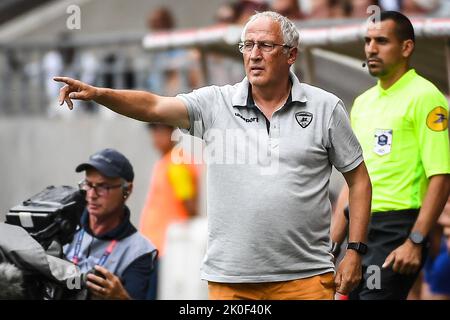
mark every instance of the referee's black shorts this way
{"type": "Point", "coordinates": [387, 231]}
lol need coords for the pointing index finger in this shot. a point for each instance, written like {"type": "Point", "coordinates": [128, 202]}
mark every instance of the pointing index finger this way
{"type": "Point", "coordinates": [67, 80]}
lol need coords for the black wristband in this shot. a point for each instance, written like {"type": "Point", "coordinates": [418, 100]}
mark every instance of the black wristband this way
{"type": "Point", "coordinates": [359, 247]}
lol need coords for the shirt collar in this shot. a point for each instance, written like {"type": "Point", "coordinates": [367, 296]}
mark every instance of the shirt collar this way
{"type": "Point", "coordinates": [123, 230]}
{"type": "Point", "coordinates": [251, 102]}
{"type": "Point", "coordinates": [400, 83]}
{"type": "Point", "coordinates": [242, 96]}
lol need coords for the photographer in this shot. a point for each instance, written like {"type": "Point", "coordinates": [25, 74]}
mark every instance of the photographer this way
{"type": "Point", "coordinates": [119, 260]}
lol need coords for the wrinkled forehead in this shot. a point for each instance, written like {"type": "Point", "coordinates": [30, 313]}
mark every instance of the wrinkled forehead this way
{"type": "Point", "coordinates": [264, 27]}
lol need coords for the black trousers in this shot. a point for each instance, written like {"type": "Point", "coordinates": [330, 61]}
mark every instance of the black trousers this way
{"type": "Point", "coordinates": [387, 231]}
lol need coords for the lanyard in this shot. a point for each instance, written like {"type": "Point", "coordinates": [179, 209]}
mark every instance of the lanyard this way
{"type": "Point", "coordinates": [101, 262]}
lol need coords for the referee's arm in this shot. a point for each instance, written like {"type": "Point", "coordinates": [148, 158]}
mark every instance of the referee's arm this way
{"type": "Point", "coordinates": [406, 259]}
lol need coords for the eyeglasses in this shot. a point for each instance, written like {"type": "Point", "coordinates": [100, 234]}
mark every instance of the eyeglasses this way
{"type": "Point", "coordinates": [247, 46]}
{"type": "Point", "coordinates": [101, 189]}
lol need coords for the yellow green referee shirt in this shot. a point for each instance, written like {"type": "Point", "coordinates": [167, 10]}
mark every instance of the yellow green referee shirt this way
{"type": "Point", "coordinates": [403, 132]}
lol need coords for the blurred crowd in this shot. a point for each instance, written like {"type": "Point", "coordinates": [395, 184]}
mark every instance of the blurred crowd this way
{"type": "Point", "coordinates": [180, 70]}
{"type": "Point", "coordinates": [239, 11]}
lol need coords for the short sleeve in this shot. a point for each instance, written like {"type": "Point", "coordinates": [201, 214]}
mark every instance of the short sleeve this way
{"type": "Point", "coordinates": [430, 119]}
{"type": "Point", "coordinates": [202, 107]}
{"type": "Point", "coordinates": [344, 150]}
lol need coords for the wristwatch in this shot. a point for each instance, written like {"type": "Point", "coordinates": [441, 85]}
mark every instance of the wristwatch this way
{"type": "Point", "coordinates": [359, 247]}
{"type": "Point", "coordinates": [416, 237]}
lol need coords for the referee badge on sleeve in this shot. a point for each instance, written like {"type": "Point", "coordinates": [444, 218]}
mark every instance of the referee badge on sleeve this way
{"type": "Point", "coordinates": [383, 141]}
{"type": "Point", "coordinates": [437, 119]}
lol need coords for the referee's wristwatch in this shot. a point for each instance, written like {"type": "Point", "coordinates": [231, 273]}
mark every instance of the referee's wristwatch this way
{"type": "Point", "coordinates": [359, 247]}
{"type": "Point", "coordinates": [417, 238]}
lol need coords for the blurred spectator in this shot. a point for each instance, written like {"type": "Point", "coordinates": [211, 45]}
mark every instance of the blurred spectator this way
{"type": "Point", "coordinates": [160, 19]}
{"type": "Point", "coordinates": [419, 7]}
{"type": "Point", "coordinates": [118, 71]}
{"type": "Point", "coordinates": [444, 221]}
{"type": "Point", "coordinates": [437, 267]}
{"type": "Point", "coordinates": [340, 8]}
{"type": "Point", "coordinates": [246, 8]}
{"type": "Point", "coordinates": [288, 8]}
{"type": "Point", "coordinates": [223, 69]}
{"type": "Point", "coordinates": [175, 70]}
{"type": "Point", "coordinates": [13, 61]}
{"type": "Point", "coordinates": [226, 14]}
{"type": "Point", "coordinates": [359, 8]}
{"type": "Point", "coordinates": [11, 64]}
{"type": "Point", "coordinates": [66, 60]}
{"type": "Point", "coordinates": [172, 196]}
{"type": "Point", "coordinates": [320, 9]}
{"type": "Point", "coordinates": [443, 10]}
{"type": "Point", "coordinates": [393, 5]}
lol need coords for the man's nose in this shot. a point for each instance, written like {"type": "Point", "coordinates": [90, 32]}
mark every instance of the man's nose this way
{"type": "Point", "coordinates": [371, 47]}
{"type": "Point", "coordinates": [91, 193]}
{"type": "Point", "coordinates": [255, 53]}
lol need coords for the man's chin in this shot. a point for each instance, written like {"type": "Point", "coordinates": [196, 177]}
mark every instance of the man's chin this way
{"type": "Point", "coordinates": [256, 81]}
{"type": "Point", "coordinates": [374, 72]}
{"type": "Point", "coordinates": [94, 210]}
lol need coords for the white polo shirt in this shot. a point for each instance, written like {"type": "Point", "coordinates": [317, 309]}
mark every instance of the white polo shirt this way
{"type": "Point", "coordinates": [267, 182]}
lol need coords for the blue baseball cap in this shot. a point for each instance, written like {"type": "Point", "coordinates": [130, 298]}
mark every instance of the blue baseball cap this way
{"type": "Point", "coordinates": [111, 163]}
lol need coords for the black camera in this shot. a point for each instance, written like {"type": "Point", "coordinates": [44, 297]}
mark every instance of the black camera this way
{"type": "Point", "coordinates": [49, 220]}
{"type": "Point", "coordinates": [50, 216]}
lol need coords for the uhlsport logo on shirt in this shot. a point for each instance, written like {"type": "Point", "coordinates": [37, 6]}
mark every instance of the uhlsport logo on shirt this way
{"type": "Point", "coordinates": [303, 118]}
{"type": "Point", "coordinates": [253, 119]}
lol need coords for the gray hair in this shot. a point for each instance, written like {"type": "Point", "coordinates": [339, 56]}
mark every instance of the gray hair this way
{"type": "Point", "coordinates": [288, 29]}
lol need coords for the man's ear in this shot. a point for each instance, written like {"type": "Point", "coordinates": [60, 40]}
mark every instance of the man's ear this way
{"type": "Point", "coordinates": [292, 55]}
{"type": "Point", "coordinates": [407, 48]}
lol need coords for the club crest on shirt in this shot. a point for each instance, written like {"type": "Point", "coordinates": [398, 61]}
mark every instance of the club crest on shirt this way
{"type": "Point", "coordinates": [303, 118]}
{"type": "Point", "coordinates": [437, 119]}
{"type": "Point", "coordinates": [383, 141]}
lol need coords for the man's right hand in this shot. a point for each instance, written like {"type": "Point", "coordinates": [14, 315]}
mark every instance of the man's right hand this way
{"type": "Point", "coordinates": [349, 273]}
{"type": "Point", "coordinates": [139, 105]}
{"type": "Point", "coordinates": [74, 89]}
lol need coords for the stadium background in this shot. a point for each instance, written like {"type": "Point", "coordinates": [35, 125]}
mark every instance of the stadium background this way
{"type": "Point", "coordinates": [41, 143]}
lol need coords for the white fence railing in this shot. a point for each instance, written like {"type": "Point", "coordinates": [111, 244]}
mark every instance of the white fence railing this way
{"type": "Point", "coordinates": [309, 35]}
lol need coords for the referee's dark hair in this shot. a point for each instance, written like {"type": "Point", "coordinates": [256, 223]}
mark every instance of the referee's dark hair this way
{"type": "Point", "coordinates": [404, 29]}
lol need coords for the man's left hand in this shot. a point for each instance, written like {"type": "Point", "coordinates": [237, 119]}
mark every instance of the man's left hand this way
{"type": "Point", "coordinates": [405, 259]}
{"type": "Point", "coordinates": [349, 273]}
{"type": "Point", "coordinates": [107, 287]}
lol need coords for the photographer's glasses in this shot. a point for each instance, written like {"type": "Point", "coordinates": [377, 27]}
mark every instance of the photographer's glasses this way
{"type": "Point", "coordinates": [247, 46]}
{"type": "Point", "coordinates": [100, 189]}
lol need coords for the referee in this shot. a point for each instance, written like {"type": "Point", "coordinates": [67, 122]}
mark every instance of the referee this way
{"type": "Point", "coordinates": [401, 124]}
